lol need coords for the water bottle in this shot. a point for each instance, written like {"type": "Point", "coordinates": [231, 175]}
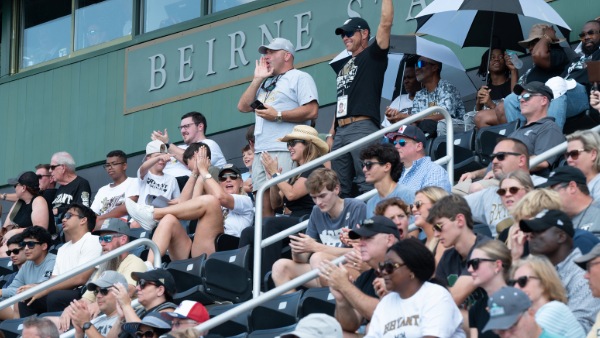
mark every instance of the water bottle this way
{"type": "Point", "coordinates": [515, 60]}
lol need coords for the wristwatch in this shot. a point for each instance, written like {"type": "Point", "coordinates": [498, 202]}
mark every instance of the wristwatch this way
{"type": "Point", "coordinates": [86, 326]}
{"type": "Point", "coordinates": [279, 117]}
{"type": "Point", "coordinates": [207, 177]}
{"type": "Point", "coordinates": [274, 175]}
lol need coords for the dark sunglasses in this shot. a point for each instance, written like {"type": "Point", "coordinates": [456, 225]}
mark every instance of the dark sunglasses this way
{"type": "Point", "coordinates": [52, 167]}
{"type": "Point", "coordinates": [108, 238]}
{"type": "Point", "coordinates": [437, 227]}
{"type": "Point", "coordinates": [574, 154]}
{"type": "Point", "coordinates": [418, 205]}
{"type": "Point", "coordinates": [502, 155]}
{"type": "Point", "coordinates": [68, 215]}
{"type": "Point", "coordinates": [590, 33]}
{"type": "Point", "coordinates": [292, 143]}
{"type": "Point", "coordinates": [103, 292]}
{"type": "Point", "coordinates": [271, 85]}
{"type": "Point", "coordinates": [521, 281]}
{"type": "Point", "coordinates": [369, 164]}
{"type": "Point", "coordinates": [512, 190]}
{"type": "Point", "coordinates": [388, 267]}
{"type": "Point", "coordinates": [146, 334]}
{"type": "Point", "coordinates": [13, 251]}
{"type": "Point", "coordinates": [527, 96]}
{"type": "Point", "coordinates": [142, 283]}
{"type": "Point", "coordinates": [224, 177]}
{"type": "Point", "coordinates": [349, 34]}
{"type": "Point", "coordinates": [40, 176]}
{"type": "Point", "coordinates": [474, 263]}
{"type": "Point", "coordinates": [422, 64]}
{"type": "Point", "coordinates": [29, 244]}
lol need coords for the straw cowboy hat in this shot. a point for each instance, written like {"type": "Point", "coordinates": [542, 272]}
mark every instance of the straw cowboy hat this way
{"type": "Point", "coordinates": [306, 133]}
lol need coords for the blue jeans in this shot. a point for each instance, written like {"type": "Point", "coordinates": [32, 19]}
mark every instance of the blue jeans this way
{"type": "Point", "coordinates": [572, 103]}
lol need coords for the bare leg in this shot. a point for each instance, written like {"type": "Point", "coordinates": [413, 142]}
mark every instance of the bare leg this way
{"type": "Point", "coordinates": [499, 110]}
{"type": "Point", "coordinates": [210, 225]}
{"type": "Point", "coordinates": [486, 118]}
{"type": "Point", "coordinates": [170, 234]}
{"type": "Point", "coordinates": [267, 210]}
{"type": "Point", "coordinates": [284, 270]}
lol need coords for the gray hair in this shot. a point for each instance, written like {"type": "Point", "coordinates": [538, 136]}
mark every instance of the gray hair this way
{"type": "Point", "coordinates": [44, 326]}
{"type": "Point", "coordinates": [590, 140]}
{"type": "Point", "coordinates": [64, 158]}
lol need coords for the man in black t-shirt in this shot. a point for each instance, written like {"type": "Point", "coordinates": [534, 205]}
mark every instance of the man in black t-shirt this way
{"type": "Point", "coordinates": [73, 188]}
{"type": "Point", "coordinates": [356, 302]}
{"type": "Point", "coordinates": [359, 84]}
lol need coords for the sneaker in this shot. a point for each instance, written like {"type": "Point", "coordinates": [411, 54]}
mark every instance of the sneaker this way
{"type": "Point", "coordinates": [141, 213]}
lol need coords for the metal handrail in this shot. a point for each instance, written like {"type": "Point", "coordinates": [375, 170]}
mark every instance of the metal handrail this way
{"type": "Point", "coordinates": [557, 150]}
{"type": "Point", "coordinates": [83, 267]}
{"type": "Point", "coordinates": [449, 159]}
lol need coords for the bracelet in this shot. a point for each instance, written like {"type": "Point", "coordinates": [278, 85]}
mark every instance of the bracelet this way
{"type": "Point", "coordinates": [4, 196]}
{"type": "Point", "coordinates": [328, 136]}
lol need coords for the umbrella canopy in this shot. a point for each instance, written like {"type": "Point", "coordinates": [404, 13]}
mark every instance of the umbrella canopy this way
{"type": "Point", "coordinates": [483, 23]}
{"type": "Point", "coordinates": [412, 44]}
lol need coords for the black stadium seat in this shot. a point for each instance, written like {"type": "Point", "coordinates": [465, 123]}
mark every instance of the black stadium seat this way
{"type": "Point", "coordinates": [317, 300]}
{"type": "Point", "coordinates": [235, 326]}
{"type": "Point", "coordinates": [487, 138]}
{"type": "Point", "coordinates": [277, 312]}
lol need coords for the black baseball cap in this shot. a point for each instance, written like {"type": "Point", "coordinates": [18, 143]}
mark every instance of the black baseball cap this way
{"type": "Point", "coordinates": [564, 174]}
{"type": "Point", "coordinates": [535, 87]}
{"type": "Point", "coordinates": [27, 178]}
{"type": "Point", "coordinates": [160, 276]}
{"type": "Point", "coordinates": [373, 226]}
{"type": "Point", "coordinates": [351, 25]}
{"type": "Point", "coordinates": [547, 219]}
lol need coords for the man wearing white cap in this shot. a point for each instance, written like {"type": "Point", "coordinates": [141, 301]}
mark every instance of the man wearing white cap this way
{"type": "Point", "coordinates": [287, 97]}
{"type": "Point", "coordinates": [152, 180]}
{"type": "Point", "coordinates": [187, 315]}
{"type": "Point", "coordinates": [316, 325]}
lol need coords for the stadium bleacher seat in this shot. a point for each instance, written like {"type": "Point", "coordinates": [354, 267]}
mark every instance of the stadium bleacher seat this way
{"type": "Point", "coordinates": [277, 312]}
{"type": "Point", "coordinates": [316, 300]}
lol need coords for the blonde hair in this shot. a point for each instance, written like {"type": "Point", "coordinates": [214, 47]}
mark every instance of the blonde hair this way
{"type": "Point", "coordinates": [552, 287]}
{"type": "Point", "coordinates": [520, 176]}
{"type": "Point", "coordinates": [534, 202]}
{"type": "Point", "coordinates": [434, 194]}
{"type": "Point", "coordinates": [590, 141]}
{"type": "Point", "coordinates": [497, 250]}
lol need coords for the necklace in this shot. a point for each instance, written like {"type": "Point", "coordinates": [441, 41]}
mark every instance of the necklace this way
{"type": "Point", "coordinates": [583, 216]}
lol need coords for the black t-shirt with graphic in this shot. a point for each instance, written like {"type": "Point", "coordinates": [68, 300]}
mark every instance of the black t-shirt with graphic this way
{"type": "Point", "coordinates": [77, 191]}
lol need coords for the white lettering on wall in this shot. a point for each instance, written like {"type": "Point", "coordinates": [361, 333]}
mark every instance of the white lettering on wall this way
{"type": "Point", "coordinates": [183, 62]}
{"type": "Point", "coordinates": [237, 49]}
{"type": "Point", "coordinates": [211, 52]}
{"type": "Point", "coordinates": [154, 71]}
{"type": "Point", "coordinates": [266, 35]}
{"type": "Point", "coordinates": [300, 28]}
{"type": "Point", "coordinates": [413, 4]}
{"type": "Point", "coordinates": [352, 13]}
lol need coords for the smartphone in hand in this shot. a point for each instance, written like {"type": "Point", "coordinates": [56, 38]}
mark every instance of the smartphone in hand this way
{"type": "Point", "coordinates": [257, 105]}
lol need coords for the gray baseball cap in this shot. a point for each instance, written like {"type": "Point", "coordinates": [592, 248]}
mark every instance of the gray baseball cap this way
{"type": "Point", "coordinates": [583, 260]}
{"type": "Point", "coordinates": [278, 44]}
{"type": "Point", "coordinates": [106, 279]}
{"type": "Point", "coordinates": [316, 325]}
{"type": "Point", "coordinates": [113, 225]}
{"type": "Point", "coordinates": [506, 306]}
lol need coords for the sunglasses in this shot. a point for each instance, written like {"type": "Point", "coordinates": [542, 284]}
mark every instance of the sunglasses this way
{"type": "Point", "coordinates": [590, 33]}
{"type": "Point", "coordinates": [142, 283]}
{"type": "Point", "coordinates": [527, 96]}
{"type": "Point", "coordinates": [574, 154]}
{"type": "Point", "coordinates": [103, 291]}
{"type": "Point", "coordinates": [224, 177]}
{"type": "Point", "coordinates": [502, 155]}
{"type": "Point", "coordinates": [422, 64]}
{"type": "Point", "coordinates": [512, 190]}
{"type": "Point", "coordinates": [146, 334]}
{"type": "Point", "coordinates": [29, 244]}
{"type": "Point", "coordinates": [401, 142]}
{"type": "Point", "coordinates": [349, 34]}
{"type": "Point", "coordinates": [439, 226]}
{"type": "Point", "coordinates": [108, 238]}
{"type": "Point", "coordinates": [13, 251]}
{"type": "Point", "coordinates": [417, 205]}
{"type": "Point", "coordinates": [40, 176]}
{"type": "Point", "coordinates": [53, 167]}
{"type": "Point", "coordinates": [388, 267]}
{"type": "Point", "coordinates": [68, 215]}
{"type": "Point", "coordinates": [369, 164]}
{"type": "Point", "coordinates": [292, 143]}
{"type": "Point", "coordinates": [521, 281]}
{"type": "Point", "coordinates": [474, 263]}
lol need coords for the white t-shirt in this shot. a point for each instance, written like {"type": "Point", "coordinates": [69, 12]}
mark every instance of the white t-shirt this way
{"type": "Point", "coordinates": [108, 198]}
{"type": "Point", "coordinates": [165, 185]}
{"type": "Point", "coordinates": [401, 103]}
{"type": "Point", "coordinates": [177, 169]}
{"type": "Point", "coordinates": [429, 312]}
{"type": "Point", "coordinates": [240, 217]}
{"type": "Point", "coordinates": [72, 255]}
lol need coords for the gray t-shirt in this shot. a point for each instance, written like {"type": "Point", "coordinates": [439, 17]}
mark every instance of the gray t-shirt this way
{"type": "Point", "coordinates": [30, 274]}
{"type": "Point", "coordinates": [540, 136]}
{"type": "Point", "coordinates": [588, 219]}
{"type": "Point", "coordinates": [326, 230]}
{"type": "Point", "coordinates": [594, 187]}
{"type": "Point", "coordinates": [293, 89]}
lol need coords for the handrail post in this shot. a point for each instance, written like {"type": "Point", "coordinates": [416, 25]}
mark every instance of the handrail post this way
{"type": "Point", "coordinates": [256, 274]}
